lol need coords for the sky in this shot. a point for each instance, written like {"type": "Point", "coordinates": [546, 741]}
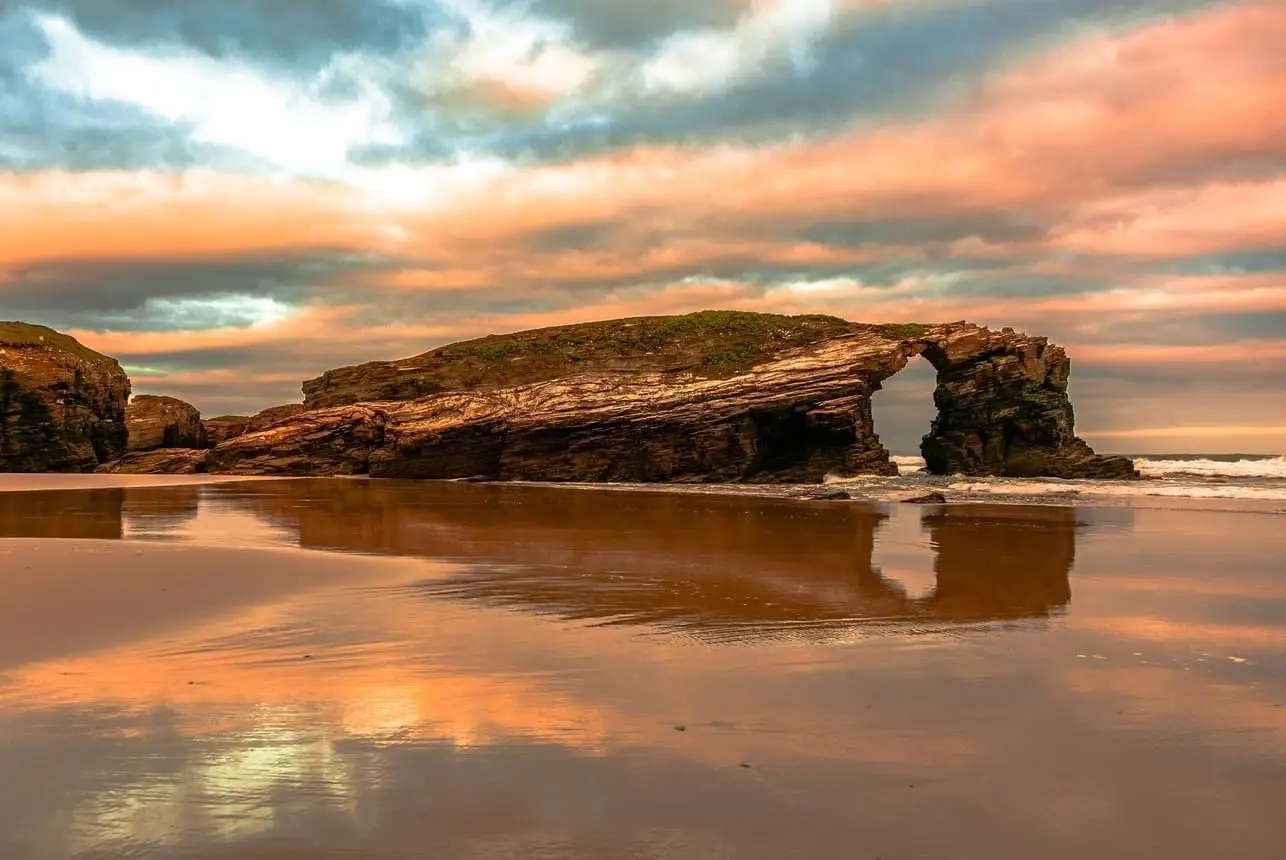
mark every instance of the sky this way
{"type": "Point", "coordinates": [231, 196]}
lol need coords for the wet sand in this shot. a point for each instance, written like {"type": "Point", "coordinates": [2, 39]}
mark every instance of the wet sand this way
{"type": "Point", "coordinates": [343, 669]}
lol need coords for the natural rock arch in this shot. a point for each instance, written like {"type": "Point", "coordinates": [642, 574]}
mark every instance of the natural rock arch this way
{"type": "Point", "coordinates": [1002, 406]}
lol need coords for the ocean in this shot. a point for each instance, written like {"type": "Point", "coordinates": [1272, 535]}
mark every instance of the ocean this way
{"type": "Point", "coordinates": [1226, 482]}
{"type": "Point", "coordinates": [1256, 479]}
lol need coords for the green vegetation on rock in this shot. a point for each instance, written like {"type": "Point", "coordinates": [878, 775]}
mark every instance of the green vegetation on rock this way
{"type": "Point", "coordinates": [712, 344]}
{"type": "Point", "coordinates": [903, 331]}
{"type": "Point", "coordinates": [27, 334]}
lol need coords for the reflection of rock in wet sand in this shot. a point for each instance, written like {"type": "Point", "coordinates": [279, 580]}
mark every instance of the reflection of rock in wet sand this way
{"type": "Point", "coordinates": [159, 509]}
{"type": "Point", "coordinates": [996, 561]}
{"type": "Point", "coordinates": [88, 514]}
{"type": "Point", "coordinates": [104, 514]}
{"type": "Point", "coordinates": [707, 565]}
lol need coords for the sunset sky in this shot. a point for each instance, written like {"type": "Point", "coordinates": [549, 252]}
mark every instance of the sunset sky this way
{"type": "Point", "coordinates": [231, 196]}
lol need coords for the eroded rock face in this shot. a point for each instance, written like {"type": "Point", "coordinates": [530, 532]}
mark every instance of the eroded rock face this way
{"type": "Point", "coordinates": [159, 461]}
{"type": "Point", "coordinates": [1003, 408]}
{"type": "Point", "coordinates": [273, 415]}
{"type": "Point", "coordinates": [62, 405]}
{"type": "Point", "coordinates": [163, 422]}
{"type": "Point", "coordinates": [224, 427]}
{"type": "Point", "coordinates": [731, 411]}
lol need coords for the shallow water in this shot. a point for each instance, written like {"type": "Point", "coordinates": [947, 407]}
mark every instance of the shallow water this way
{"type": "Point", "coordinates": [342, 669]}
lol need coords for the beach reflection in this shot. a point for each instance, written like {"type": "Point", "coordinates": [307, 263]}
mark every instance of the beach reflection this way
{"type": "Point", "coordinates": [339, 669]}
{"type": "Point", "coordinates": [713, 567]}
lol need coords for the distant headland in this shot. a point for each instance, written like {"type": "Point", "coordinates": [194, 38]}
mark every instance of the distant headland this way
{"type": "Point", "coordinates": [713, 396]}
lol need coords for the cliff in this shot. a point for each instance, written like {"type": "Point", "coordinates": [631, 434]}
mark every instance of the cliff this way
{"type": "Point", "coordinates": [62, 405]}
{"type": "Point", "coordinates": [716, 396]}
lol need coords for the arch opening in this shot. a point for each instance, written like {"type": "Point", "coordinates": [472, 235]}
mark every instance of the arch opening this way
{"type": "Point", "coordinates": [903, 411]}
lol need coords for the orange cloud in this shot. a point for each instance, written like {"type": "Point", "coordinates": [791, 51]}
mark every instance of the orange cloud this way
{"type": "Point", "coordinates": [59, 215]}
{"type": "Point", "coordinates": [1078, 127]}
{"type": "Point", "coordinates": [1252, 352]}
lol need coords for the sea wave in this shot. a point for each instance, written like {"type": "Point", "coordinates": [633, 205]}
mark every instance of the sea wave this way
{"type": "Point", "coordinates": [1252, 479]}
{"type": "Point", "coordinates": [907, 464]}
{"type": "Point", "coordinates": [1267, 467]}
{"type": "Point", "coordinates": [1250, 467]}
{"type": "Point", "coordinates": [1178, 490]}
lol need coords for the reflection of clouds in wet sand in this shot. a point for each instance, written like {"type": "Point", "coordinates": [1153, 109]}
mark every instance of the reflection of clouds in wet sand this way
{"type": "Point", "coordinates": [337, 709]}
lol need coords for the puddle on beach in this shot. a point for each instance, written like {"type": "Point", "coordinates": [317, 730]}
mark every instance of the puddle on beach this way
{"type": "Point", "coordinates": [346, 668]}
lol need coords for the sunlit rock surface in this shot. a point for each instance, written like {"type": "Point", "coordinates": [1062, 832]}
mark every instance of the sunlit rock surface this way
{"type": "Point", "coordinates": [159, 461]}
{"type": "Point", "coordinates": [62, 405]}
{"type": "Point", "coordinates": [709, 397]}
{"type": "Point", "coordinates": [163, 422]}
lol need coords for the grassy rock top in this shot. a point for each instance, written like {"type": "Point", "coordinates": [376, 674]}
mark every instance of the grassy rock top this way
{"type": "Point", "coordinates": [21, 334]}
{"type": "Point", "coordinates": [713, 344]}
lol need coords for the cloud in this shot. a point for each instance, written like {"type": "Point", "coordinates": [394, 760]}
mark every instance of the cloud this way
{"type": "Point", "coordinates": [61, 215]}
{"type": "Point", "coordinates": [161, 294]}
{"type": "Point", "coordinates": [291, 34]}
{"type": "Point", "coordinates": [612, 25]}
{"type": "Point", "coordinates": [804, 68]}
{"type": "Point", "coordinates": [220, 103]}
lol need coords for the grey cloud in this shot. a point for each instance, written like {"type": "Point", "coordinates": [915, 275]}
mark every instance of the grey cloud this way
{"type": "Point", "coordinates": [1233, 262]}
{"type": "Point", "coordinates": [1187, 328]}
{"type": "Point", "coordinates": [997, 225]}
{"type": "Point", "coordinates": [616, 24]}
{"type": "Point", "coordinates": [293, 33]}
{"type": "Point", "coordinates": [123, 294]}
{"type": "Point", "coordinates": [896, 60]}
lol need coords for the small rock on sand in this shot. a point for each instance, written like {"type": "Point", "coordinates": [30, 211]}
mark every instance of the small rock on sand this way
{"type": "Point", "coordinates": [926, 499]}
{"type": "Point", "coordinates": [827, 495]}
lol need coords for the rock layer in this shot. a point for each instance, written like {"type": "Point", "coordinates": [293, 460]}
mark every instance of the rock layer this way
{"type": "Point", "coordinates": [163, 422]}
{"type": "Point", "coordinates": [1003, 408]}
{"type": "Point", "coordinates": [160, 461]}
{"type": "Point", "coordinates": [224, 427]}
{"type": "Point", "coordinates": [62, 405]}
{"type": "Point", "coordinates": [273, 415]}
{"type": "Point", "coordinates": [718, 397]}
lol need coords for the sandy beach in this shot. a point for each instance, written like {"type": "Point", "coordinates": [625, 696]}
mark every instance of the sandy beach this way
{"type": "Point", "coordinates": [327, 669]}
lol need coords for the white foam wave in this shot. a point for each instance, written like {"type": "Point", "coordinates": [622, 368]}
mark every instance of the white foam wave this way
{"type": "Point", "coordinates": [1270, 468]}
{"type": "Point", "coordinates": [907, 463]}
{"type": "Point", "coordinates": [1120, 488]}
{"type": "Point", "coordinates": [1019, 488]}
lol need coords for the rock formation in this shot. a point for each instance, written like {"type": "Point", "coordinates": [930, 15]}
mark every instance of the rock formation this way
{"type": "Point", "coordinates": [159, 461]}
{"type": "Point", "coordinates": [224, 427]}
{"type": "Point", "coordinates": [711, 397]}
{"type": "Point", "coordinates": [1003, 408]}
{"type": "Point", "coordinates": [62, 405]}
{"type": "Point", "coordinates": [271, 416]}
{"type": "Point", "coordinates": [163, 422]}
